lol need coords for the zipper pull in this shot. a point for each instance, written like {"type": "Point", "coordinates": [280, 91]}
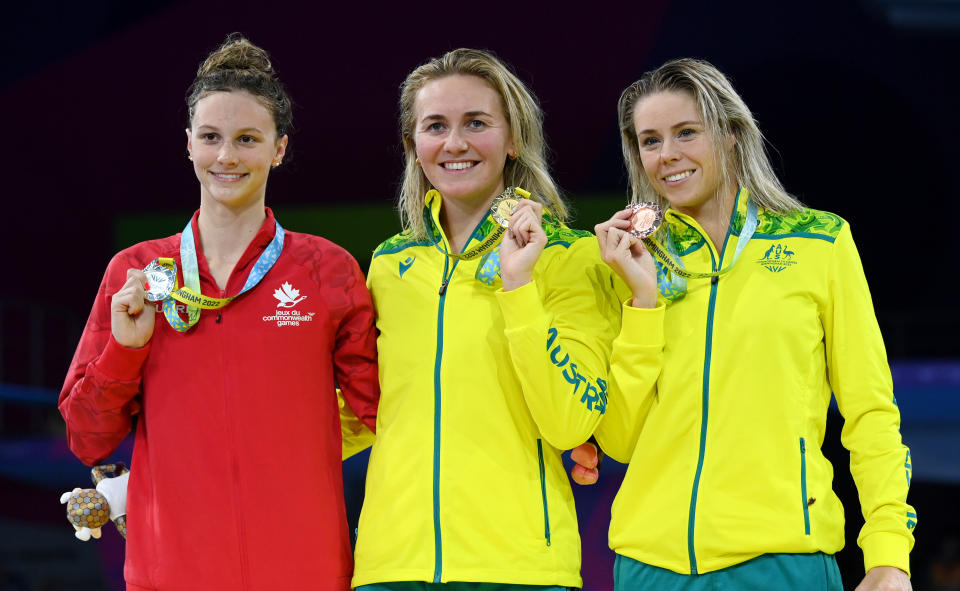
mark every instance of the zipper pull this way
{"type": "Point", "coordinates": [443, 286]}
{"type": "Point", "coordinates": [715, 279]}
{"type": "Point", "coordinates": [218, 317]}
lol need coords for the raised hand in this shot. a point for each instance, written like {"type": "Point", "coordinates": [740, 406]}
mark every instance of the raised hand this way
{"type": "Point", "coordinates": [627, 256]}
{"type": "Point", "coordinates": [522, 245]}
{"type": "Point", "coordinates": [131, 317]}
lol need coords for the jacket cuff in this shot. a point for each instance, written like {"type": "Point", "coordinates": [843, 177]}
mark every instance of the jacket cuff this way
{"type": "Point", "coordinates": [120, 363]}
{"type": "Point", "coordinates": [886, 549]}
{"type": "Point", "coordinates": [642, 326]}
{"type": "Point", "coordinates": [520, 306]}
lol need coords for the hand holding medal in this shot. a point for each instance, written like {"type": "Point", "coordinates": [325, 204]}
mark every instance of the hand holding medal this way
{"type": "Point", "coordinates": [525, 239]}
{"type": "Point", "coordinates": [622, 248]}
{"type": "Point", "coordinates": [131, 317]}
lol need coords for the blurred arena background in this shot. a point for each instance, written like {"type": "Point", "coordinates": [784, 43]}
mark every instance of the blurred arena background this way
{"type": "Point", "coordinates": [859, 98]}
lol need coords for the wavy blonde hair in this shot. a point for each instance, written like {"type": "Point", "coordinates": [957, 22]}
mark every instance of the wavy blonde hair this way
{"type": "Point", "coordinates": [724, 114]}
{"type": "Point", "coordinates": [529, 169]}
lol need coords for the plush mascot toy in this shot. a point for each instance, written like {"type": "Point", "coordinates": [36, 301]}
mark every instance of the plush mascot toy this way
{"type": "Point", "coordinates": [89, 509]}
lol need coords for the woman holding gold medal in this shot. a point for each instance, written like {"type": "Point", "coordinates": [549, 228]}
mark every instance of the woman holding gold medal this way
{"type": "Point", "coordinates": [494, 324]}
{"type": "Point", "coordinates": [236, 474]}
{"type": "Point", "coordinates": [748, 311]}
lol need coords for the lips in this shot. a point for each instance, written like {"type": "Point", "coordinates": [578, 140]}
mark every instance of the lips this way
{"type": "Point", "coordinates": [228, 177]}
{"type": "Point", "coordinates": [459, 165]}
{"type": "Point", "coordinates": [679, 176]}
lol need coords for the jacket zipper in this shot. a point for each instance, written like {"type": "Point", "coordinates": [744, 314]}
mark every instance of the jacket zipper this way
{"type": "Point", "coordinates": [543, 492]}
{"type": "Point", "coordinates": [437, 540]}
{"type": "Point", "coordinates": [705, 398]}
{"type": "Point", "coordinates": [803, 487]}
{"type": "Point", "coordinates": [234, 464]}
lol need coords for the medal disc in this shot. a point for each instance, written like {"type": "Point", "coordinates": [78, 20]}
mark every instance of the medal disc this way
{"type": "Point", "coordinates": [160, 281]}
{"type": "Point", "coordinates": [505, 203]}
{"type": "Point", "coordinates": [646, 218]}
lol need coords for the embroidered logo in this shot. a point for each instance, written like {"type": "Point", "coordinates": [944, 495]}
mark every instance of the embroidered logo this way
{"type": "Point", "coordinates": [288, 295]}
{"type": "Point", "coordinates": [406, 264]}
{"type": "Point", "coordinates": [778, 257]}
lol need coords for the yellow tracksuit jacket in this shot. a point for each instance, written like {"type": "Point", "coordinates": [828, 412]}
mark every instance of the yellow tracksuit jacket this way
{"type": "Point", "coordinates": [719, 403]}
{"type": "Point", "coordinates": [480, 390]}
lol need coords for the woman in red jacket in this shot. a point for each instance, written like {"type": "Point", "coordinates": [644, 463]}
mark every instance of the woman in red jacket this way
{"type": "Point", "coordinates": [232, 375]}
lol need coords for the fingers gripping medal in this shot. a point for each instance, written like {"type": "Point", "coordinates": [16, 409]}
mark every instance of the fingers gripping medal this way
{"type": "Point", "coordinates": [160, 281]}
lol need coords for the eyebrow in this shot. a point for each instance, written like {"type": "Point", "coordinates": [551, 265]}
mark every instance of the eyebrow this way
{"type": "Point", "coordinates": [674, 126]}
{"type": "Point", "coordinates": [244, 130]}
{"type": "Point", "coordinates": [468, 114]}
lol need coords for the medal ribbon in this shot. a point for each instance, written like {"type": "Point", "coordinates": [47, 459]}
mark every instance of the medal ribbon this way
{"type": "Point", "coordinates": [490, 241]}
{"type": "Point", "coordinates": [190, 294]}
{"type": "Point", "coordinates": [674, 287]}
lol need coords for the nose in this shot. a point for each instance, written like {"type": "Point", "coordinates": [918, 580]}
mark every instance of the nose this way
{"type": "Point", "coordinates": [455, 142]}
{"type": "Point", "coordinates": [669, 150]}
{"type": "Point", "coordinates": [227, 155]}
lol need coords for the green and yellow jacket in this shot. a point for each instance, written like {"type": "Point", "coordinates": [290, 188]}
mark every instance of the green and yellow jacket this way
{"type": "Point", "coordinates": [719, 401]}
{"type": "Point", "coordinates": [480, 390]}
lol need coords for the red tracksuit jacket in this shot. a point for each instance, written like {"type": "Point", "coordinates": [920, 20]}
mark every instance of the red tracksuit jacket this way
{"type": "Point", "coordinates": [236, 480]}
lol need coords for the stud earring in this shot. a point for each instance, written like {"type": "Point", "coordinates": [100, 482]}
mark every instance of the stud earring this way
{"type": "Point", "coordinates": [276, 163]}
{"type": "Point", "coordinates": [190, 157]}
{"type": "Point", "coordinates": [512, 155]}
{"type": "Point", "coordinates": [418, 163]}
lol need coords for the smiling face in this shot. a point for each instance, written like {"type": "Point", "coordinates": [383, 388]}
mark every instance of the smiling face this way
{"type": "Point", "coordinates": [462, 138]}
{"type": "Point", "coordinates": [233, 145]}
{"type": "Point", "coordinates": [676, 151]}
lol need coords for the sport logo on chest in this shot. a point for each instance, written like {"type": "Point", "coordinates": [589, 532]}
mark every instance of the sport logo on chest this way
{"type": "Point", "coordinates": [778, 257]}
{"type": "Point", "coordinates": [287, 297]}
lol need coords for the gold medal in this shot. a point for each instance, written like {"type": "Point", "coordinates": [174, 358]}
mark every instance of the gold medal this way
{"type": "Point", "coordinates": [505, 203]}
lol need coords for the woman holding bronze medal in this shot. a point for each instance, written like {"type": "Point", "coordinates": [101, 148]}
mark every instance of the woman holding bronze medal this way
{"type": "Point", "coordinates": [493, 333]}
{"type": "Point", "coordinates": [236, 475]}
{"type": "Point", "coordinates": [748, 311]}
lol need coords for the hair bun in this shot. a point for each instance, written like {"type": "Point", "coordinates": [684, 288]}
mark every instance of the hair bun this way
{"type": "Point", "coordinates": [236, 53]}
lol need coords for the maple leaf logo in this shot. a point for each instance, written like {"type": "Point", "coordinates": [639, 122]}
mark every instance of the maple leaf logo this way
{"type": "Point", "coordinates": [288, 296]}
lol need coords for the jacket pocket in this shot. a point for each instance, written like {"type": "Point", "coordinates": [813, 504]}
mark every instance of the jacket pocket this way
{"type": "Point", "coordinates": [543, 493]}
{"type": "Point", "coordinates": [803, 487]}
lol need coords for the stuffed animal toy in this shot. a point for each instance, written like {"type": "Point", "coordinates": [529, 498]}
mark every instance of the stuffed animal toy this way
{"type": "Point", "coordinates": [89, 509]}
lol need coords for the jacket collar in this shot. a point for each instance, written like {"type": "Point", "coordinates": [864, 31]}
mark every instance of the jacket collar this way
{"type": "Point", "coordinates": [243, 267]}
{"type": "Point", "coordinates": [432, 203]}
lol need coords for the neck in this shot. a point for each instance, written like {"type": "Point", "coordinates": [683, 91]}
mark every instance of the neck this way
{"type": "Point", "coordinates": [714, 215]}
{"type": "Point", "coordinates": [460, 217]}
{"type": "Point", "coordinates": [225, 234]}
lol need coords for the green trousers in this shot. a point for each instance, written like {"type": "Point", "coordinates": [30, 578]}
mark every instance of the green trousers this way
{"type": "Point", "coordinates": [768, 572]}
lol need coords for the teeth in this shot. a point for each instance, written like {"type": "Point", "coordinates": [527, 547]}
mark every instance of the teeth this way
{"type": "Point", "coordinates": [457, 165]}
{"type": "Point", "coordinates": [679, 175]}
{"type": "Point", "coordinates": [228, 175]}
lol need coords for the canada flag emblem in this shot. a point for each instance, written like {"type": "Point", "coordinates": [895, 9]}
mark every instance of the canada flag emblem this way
{"type": "Point", "coordinates": [288, 295]}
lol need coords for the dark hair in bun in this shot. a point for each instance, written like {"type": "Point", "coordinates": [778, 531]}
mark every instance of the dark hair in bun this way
{"type": "Point", "coordinates": [241, 65]}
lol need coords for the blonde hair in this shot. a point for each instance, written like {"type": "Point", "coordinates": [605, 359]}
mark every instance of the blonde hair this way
{"type": "Point", "coordinates": [527, 170]}
{"type": "Point", "coordinates": [724, 114]}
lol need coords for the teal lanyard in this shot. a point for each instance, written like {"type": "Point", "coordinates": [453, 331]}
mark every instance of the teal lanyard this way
{"type": "Point", "coordinates": [191, 275]}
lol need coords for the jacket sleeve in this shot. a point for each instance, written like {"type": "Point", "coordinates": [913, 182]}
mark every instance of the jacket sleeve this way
{"type": "Point", "coordinates": [98, 395]}
{"type": "Point", "coordinates": [559, 328]}
{"type": "Point", "coordinates": [860, 377]}
{"type": "Point", "coordinates": [355, 349]}
{"type": "Point", "coordinates": [635, 366]}
{"type": "Point", "coordinates": [354, 434]}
